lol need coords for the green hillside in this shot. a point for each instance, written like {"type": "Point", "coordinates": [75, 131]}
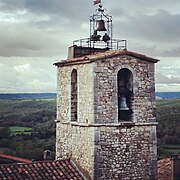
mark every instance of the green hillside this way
{"type": "Point", "coordinates": [168, 131]}
{"type": "Point", "coordinates": [27, 127]}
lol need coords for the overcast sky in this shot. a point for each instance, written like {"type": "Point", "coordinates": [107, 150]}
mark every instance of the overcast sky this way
{"type": "Point", "coordinates": [36, 33]}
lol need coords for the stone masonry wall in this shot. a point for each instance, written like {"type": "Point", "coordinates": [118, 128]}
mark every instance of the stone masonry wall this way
{"type": "Point", "coordinates": [105, 87]}
{"type": "Point", "coordinates": [126, 153]}
{"type": "Point", "coordinates": [73, 141]}
{"type": "Point", "coordinates": [76, 143]}
{"type": "Point", "coordinates": [85, 95]}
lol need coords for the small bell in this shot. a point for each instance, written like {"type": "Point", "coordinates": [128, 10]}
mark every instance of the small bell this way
{"type": "Point", "coordinates": [106, 38]}
{"type": "Point", "coordinates": [95, 36]}
{"type": "Point", "coordinates": [101, 26]}
{"type": "Point", "coordinates": [123, 105]}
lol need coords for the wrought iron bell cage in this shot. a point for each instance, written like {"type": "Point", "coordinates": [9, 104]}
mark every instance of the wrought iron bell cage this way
{"type": "Point", "coordinates": [101, 29]}
{"type": "Point", "coordinates": [101, 33]}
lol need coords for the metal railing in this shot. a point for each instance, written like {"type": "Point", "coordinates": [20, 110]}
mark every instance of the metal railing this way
{"type": "Point", "coordinates": [112, 44]}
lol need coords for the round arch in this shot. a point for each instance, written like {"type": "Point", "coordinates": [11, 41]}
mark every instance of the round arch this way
{"type": "Point", "coordinates": [125, 94]}
{"type": "Point", "coordinates": [74, 98]}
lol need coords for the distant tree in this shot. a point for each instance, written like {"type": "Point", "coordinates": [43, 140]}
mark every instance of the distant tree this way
{"type": "Point", "coordinates": [37, 154]}
{"type": "Point", "coordinates": [5, 133]}
{"type": "Point", "coordinates": [171, 140]}
{"type": "Point", "coordinates": [4, 143]}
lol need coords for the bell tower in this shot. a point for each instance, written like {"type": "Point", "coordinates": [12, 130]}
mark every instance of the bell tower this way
{"type": "Point", "coordinates": [106, 118]}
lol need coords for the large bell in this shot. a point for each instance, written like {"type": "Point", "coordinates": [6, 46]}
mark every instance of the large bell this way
{"type": "Point", "coordinates": [101, 26]}
{"type": "Point", "coordinates": [123, 105]}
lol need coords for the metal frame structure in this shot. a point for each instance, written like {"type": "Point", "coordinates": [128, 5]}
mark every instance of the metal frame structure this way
{"type": "Point", "coordinates": [101, 33]}
{"type": "Point", "coordinates": [107, 19]}
{"type": "Point", "coordinates": [115, 44]}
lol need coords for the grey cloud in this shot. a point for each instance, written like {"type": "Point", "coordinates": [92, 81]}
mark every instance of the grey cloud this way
{"type": "Point", "coordinates": [11, 5]}
{"type": "Point", "coordinates": [60, 22]}
{"type": "Point", "coordinates": [142, 47]}
{"type": "Point", "coordinates": [169, 67]}
{"type": "Point", "coordinates": [132, 7]}
{"type": "Point", "coordinates": [167, 74]}
{"type": "Point", "coordinates": [66, 8]}
{"type": "Point", "coordinates": [158, 32]}
{"type": "Point", "coordinates": [162, 79]}
{"type": "Point", "coordinates": [172, 52]}
{"type": "Point", "coordinates": [167, 87]}
{"type": "Point", "coordinates": [47, 27]}
{"type": "Point", "coordinates": [69, 9]}
{"type": "Point", "coordinates": [38, 32]}
{"type": "Point", "coordinates": [22, 40]}
{"type": "Point", "coordinates": [27, 75]}
{"type": "Point", "coordinates": [161, 27]}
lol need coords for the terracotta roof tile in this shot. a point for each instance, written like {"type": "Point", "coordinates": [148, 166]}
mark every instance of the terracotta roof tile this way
{"type": "Point", "coordinates": [104, 55]}
{"type": "Point", "coordinates": [165, 169]}
{"type": "Point", "coordinates": [63, 170]}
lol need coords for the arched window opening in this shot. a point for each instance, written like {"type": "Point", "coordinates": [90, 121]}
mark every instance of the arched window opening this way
{"type": "Point", "coordinates": [74, 95]}
{"type": "Point", "coordinates": [125, 94]}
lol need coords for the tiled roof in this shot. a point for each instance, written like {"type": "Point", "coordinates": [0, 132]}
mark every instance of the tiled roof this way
{"type": "Point", "coordinates": [45, 170]}
{"type": "Point", "coordinates": [165, 169]}
{"type": "Point", "coordinates": [104, 55]}
{"type": "Point", "coordinates": [11, 159]}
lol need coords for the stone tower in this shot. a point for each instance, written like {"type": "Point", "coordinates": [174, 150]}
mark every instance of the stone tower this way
{"type": "Point", "coordinates": [106, 118]}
